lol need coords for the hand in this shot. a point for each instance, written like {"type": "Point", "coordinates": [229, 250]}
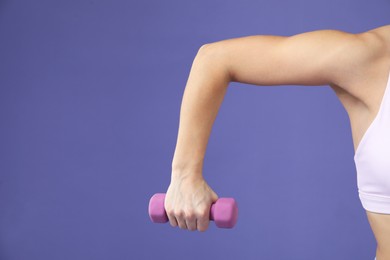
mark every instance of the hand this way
{"type": "Point", "coordinates": [188, 201]}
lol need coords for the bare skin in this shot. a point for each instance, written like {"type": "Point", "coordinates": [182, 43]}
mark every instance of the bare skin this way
{"type": "Point", "coordinates": [355, 66]}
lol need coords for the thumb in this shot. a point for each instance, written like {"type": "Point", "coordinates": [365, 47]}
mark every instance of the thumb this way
{"type": "Point", "coordinates": [214, 196]}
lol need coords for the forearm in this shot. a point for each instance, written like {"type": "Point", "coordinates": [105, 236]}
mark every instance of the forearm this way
{"type": "Point", "coordinates": [203, 95]}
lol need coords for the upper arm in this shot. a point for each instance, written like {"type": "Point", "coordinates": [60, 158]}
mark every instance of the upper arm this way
{"type": "Point", "coordinates": [320, 57]}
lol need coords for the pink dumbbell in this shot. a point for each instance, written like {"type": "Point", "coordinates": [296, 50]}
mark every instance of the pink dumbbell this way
{"type": "Point", "coordinates": [223, 212]}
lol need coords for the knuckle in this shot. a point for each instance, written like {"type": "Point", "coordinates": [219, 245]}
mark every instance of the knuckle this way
{"type": "Point", "coordinates": [203, 214]}
{"type": "Point", "coordinates": [169, 212]}
{"type": "Point", "coordinates": [190, 215]}
{"type": "Point", "coordinates": [178, 212]}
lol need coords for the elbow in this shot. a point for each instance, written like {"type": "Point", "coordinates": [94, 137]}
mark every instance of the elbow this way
{"type": "Point", "coordinates": [207, 51]}
{"type": "Point", "coordinates": [215, 56]}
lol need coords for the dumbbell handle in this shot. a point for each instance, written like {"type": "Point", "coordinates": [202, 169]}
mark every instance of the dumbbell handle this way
{"type": "Point", "coordinates": [223, 212]}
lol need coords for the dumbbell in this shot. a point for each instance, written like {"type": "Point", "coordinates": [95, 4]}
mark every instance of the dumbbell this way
{"type": "Point", "coordinates": [223, 212]}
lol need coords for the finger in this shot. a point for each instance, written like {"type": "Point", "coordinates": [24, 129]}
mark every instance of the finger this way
{"type": "Point", "coordinates": [202, 225]}
{"type": "Point", "coordinates": [180, 220]}
{"type": "Point", "coordinates": [172, 219]}
{"type": "Point", "coordinates": [215, 197]}
{"type": "Point", "coordinates": [191, 222]}
{"type": "Point", "coordinates": [203, 221]}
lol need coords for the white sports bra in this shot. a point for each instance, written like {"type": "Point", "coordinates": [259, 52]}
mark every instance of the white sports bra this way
{"type": "Point", "coordinates": [372, 160]}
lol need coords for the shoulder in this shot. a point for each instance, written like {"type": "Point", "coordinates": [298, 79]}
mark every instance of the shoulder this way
{"type": "Point", "coordinates": [337, 57]}
{"type": "Point", "coordinates": [381, 35]}
{"type": "Point", "coordinates": [361, 64]}
{"type": "Point", "coordinates": [376, 41]}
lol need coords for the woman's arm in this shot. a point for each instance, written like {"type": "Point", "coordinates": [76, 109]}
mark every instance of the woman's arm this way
{"type": "Point", "coordinates": [203, 95]}
{"type": "Point", "coordinates": [189, 197]}
{"type": "Point", "coordinates": [313, 58]}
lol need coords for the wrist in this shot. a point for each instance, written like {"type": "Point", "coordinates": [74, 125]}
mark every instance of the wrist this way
{"type": "Point", "coordinates": [184, 164]}
{"type": "Point", "coordinates": [187, 172]}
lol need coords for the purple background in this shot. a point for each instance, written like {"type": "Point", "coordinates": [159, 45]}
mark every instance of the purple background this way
{"type": "Point", "coordinates": [90, 95]}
